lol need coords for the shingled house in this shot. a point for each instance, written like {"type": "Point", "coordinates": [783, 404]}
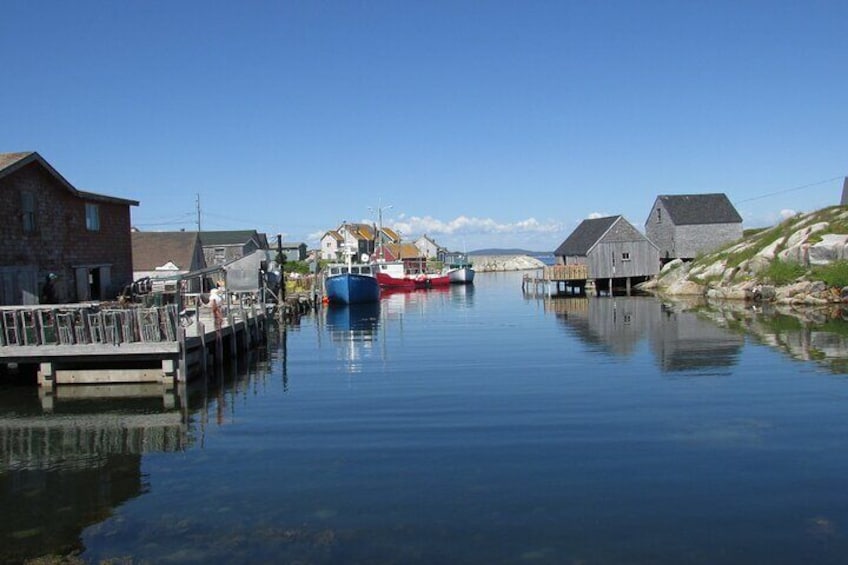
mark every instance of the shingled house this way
{"type": "Point", "coordinates": [49, 226]}
{"type": "Point", "coordinates": [685, 225]}
{"type": "Point", "coordinates": [613, 251]}
{"type": "Point", "coordinates": [166, 254]}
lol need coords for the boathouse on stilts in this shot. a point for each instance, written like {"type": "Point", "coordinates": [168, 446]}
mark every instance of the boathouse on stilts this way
{"type": "Point", "coordinates": [606, 254]}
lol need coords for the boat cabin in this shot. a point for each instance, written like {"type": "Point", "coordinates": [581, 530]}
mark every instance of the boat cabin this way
{"type": "Point", "coordinates": [365, 270]}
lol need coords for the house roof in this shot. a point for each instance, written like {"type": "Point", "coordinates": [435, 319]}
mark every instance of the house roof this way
{"type": "Point", "coordinates": [334, 234]}
{"type": "Point", "coordinates": [687, 209]}
{"type": "Point", "coordinates": [426, 237]}
{"type": "Point", "coordinates": [585, 236]}
{"type": "Point", "coordinates": [393, 236]}
{"type": "Point", "coordinates": [154, 249]}
{"type": "Point", "coordinates": [11, 162]}
{"type": "Point", "coordinates": [358, 231]}
{"type": "Point", "coordinates": [399, 250]}
{"type": "Point", "coordinates": [238, 237]}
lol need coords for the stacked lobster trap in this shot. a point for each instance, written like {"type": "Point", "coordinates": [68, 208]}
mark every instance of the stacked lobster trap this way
{"type": "Point", "coordinates": [87, 324]}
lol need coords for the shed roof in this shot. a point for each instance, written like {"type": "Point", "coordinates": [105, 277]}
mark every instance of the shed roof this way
{"type": "Point", "coordinates": [154, 249]}
{"type": "Point", "coordinates": [237, 237]}
{"type": "Point", "coordinates": [585, 236]}
{"type": "Point", "coordinates": [11, 162]}
{"type": "Point", "coordinates": [688, 209]}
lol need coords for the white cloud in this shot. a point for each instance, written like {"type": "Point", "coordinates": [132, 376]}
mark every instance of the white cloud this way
{"type": "Point", "coordinates": [464, 225]}
{"type": "Point", "coordinates": [787, 213]}
{"type": "Point", "coordinates": [316, 235]}
{"type": "Point", "coordinates": [596, 215]}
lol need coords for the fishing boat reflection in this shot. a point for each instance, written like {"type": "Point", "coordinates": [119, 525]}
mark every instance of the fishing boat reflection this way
{"type": "Point", "coordinates": [354, 328]}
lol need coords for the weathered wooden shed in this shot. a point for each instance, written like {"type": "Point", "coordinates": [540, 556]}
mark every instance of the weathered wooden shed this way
{"type": "Point", "coordinates": [683, 226]}
{"type": "Point", "coordinates": [612, 250]}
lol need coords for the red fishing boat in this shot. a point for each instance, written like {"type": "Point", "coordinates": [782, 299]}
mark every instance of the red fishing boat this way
{"type": "Point", "coordinates": [409, 274]}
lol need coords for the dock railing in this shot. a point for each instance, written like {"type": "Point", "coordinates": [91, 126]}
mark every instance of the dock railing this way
{"type": "Point", "coordinates": [566, 273]}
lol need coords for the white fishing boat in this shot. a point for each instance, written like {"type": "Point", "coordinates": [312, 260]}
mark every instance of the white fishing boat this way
{"type": "Point", "coordinates": [460, 273]}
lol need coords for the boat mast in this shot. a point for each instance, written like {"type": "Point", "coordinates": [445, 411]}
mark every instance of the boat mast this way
{"type": "Point", "coordinates": [380, 208]}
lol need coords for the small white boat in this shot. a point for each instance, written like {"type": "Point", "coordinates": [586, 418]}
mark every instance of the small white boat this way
{"type": "Point", "coordinates": [460, 273]}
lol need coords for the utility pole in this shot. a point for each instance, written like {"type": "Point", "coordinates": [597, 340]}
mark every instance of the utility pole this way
{"type": "Point", "coordinates": [281, 261]}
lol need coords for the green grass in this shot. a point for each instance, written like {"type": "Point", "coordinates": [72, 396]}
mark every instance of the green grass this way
{"type": "Point", "coordinates": [833, 275]}
{"type": "Point", "coordinates": [783, 272]}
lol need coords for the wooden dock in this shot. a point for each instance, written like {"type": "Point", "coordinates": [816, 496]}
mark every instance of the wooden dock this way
{"type": "Point", "coordinates": [105, 344]}
{"type": "Point", "coordinates": [557, 280]}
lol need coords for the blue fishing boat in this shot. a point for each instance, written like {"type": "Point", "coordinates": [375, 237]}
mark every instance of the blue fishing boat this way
{"type": "Point", "coordinates": [351, 284]}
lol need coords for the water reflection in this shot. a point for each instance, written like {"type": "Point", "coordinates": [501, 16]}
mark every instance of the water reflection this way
{"type": "Point", "coordinates": [695, 335]}
{"type": "Point", "coordinates": [353, 328]}
{"type": "Point", "coordinates": [805, 333]}
{"type": "Point", "coordinates": [680, 340]}
{"type": "Point", "coordinates": [67, 467]}
{"type": "Point", "coordinates": [68, 459]}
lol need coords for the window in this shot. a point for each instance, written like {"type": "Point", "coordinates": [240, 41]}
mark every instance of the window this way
{"type": "Point", "coordinates": [220, 256]}
{"type": "Point", "coordinates": [92, 217]}
{"type": "Point", "coordinates": [28, 211]}
{"type": "Point", "coordinates": [659, 215]}
{"type": "Point", "coordinates": [625, 256]}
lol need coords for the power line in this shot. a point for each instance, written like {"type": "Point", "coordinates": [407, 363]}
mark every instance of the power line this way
{"type": "Point", "coordinates": [789, 190]}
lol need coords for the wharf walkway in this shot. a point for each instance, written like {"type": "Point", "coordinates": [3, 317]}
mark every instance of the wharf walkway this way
{"type": "Point", "coordinates": [557, 280]}
{"type": "Point", "coordinates": [97, 343]}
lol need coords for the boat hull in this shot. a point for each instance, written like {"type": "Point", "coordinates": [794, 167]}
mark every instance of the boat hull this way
{"type": "Point", "coordinates": [393, 283]}
{"type": "Point", "coordinates": [352, 289]}
{"type": "Point", "coordinates": [461, 275]}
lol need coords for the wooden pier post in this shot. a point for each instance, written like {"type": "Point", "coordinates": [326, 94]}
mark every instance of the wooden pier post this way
{"type": "Point", "coordinates": [46, 375]}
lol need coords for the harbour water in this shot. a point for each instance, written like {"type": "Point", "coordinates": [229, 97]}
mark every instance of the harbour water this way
{"type": "Point", "coordinates": [465, 425]}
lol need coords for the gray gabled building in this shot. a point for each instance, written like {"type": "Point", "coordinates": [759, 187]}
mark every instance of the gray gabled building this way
{"type": "Point", "coordinates": [612, 249]}
{"type": "Point", "coordinates": [221, 247]}
{"type": "Point", "coordinates": [683, 226]}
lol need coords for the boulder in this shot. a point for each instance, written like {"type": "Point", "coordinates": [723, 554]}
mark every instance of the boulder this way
{"type": "Point", "coordinates": [831, 248]}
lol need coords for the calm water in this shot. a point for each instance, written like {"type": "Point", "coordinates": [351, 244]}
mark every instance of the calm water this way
{"type": "Point", "coordinates": [471, 425]}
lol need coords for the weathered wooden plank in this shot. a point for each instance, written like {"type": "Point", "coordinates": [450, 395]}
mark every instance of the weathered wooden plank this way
{"type": "Point", "coordinates": [104, 376]}
{"type": "Point", "coordinates": [566, 273]}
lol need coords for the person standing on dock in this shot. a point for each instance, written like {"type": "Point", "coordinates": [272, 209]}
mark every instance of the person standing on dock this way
{"type": "Point", "coordinates": [48, 292]}
{"type": "Point", "coordinates": [215, 300]}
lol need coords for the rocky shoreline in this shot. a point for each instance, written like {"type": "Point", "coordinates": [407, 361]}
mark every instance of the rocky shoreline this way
{"type": "Point", "coordinates": [755, 268]}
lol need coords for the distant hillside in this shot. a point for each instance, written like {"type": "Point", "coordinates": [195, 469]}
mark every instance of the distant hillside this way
{"type": "Point", "coordinates": [495, 251]}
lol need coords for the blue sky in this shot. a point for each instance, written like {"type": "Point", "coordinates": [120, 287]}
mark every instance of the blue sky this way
{"type": "Point", "coordinates": [480, 123]}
